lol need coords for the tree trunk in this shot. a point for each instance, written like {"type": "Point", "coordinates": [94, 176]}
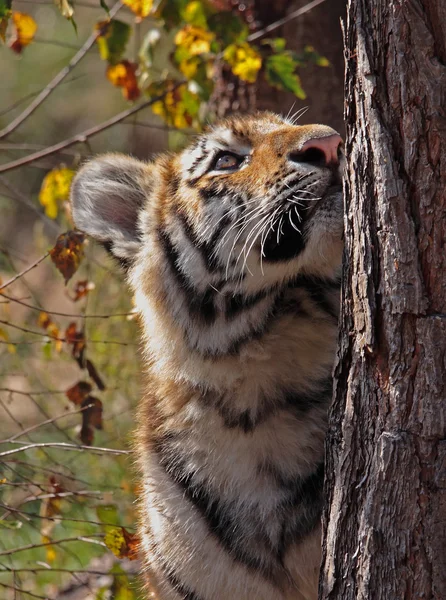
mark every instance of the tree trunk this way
{"type": "Point", "coordinates": [385, 523]}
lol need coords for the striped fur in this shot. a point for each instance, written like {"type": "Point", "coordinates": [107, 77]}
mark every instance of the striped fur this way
{"type": "Point", "coordinates": [236, 277]}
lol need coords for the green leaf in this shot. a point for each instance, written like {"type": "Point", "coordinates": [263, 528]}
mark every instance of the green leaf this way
{"type": "Point", "coordinates": [47, 349]}
{"type": "Point", "coordinates": [279, 72]}
{"type": "Point", "coordinates": [309, 54]}
{"type": "Point", "coordinates": [104, 6]}
{"type": "Point", "coordinates": [5, 8]}
{"type": "Point", "coordinates": [112, 40]}
{"type": "Point", "coordinates": [10, 524]}
{"type": "Point", "coordinates": [277, 44]}
{"type": "Point", "coordinates": [194, 13]}
{"type": "Point", "coordinates": [191, 102]}
{"type": "Point", "coordinates": [5, 13]}
{"type": "Point", "coordinates": [172, 11]}
{"type": "Point", "coordinates": [108, 514]}
{"type": "Point", "coordinates": [228, 28]}
{"type": "Point", "coordinates": [121, 584]}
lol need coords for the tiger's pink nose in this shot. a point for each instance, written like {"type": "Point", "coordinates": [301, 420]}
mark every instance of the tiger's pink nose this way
{"type": "Point", "coordinates": [323, 149]}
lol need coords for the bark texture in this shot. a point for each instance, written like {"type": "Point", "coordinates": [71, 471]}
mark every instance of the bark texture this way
{"type": "Point", "coordinates": [385, 523]}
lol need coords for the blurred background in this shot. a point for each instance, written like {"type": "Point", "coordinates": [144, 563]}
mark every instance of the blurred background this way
{"type": "Point", "coordinates": [69, 352]}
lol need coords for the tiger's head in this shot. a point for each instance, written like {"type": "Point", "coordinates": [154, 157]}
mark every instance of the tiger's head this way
{"type": "Point", "coordinates": [251, 203]}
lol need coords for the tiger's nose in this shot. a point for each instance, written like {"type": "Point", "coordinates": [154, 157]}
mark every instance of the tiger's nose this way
{"type": "Point", "coordinates": [319, 151]}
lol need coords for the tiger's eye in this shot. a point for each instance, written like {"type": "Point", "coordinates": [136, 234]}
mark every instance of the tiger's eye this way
{"type": "Point", "coordinates": [227, 161]}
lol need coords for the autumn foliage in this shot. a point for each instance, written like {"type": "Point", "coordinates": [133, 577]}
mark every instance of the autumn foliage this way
{"type": "Point", "coordinates": [67, 329]}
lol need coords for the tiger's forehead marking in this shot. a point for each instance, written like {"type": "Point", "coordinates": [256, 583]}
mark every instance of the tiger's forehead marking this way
{"type": "Point", "coordinates": [226, 139]}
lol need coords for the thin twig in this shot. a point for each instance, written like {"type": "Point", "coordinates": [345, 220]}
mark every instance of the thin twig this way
{"type": "Point", "coordinates": [33, 467]}
{"type": "Point", "coordinates": [22, 591]}
{"type": "Point", "coordinates": [64, 446]}
{"type": "Point", "coordinates": [20, 197]}
{"type": "Point", "coordinates": [61, 339]}
{"type": "Point", "coordinates": [62, 314]}
{"type": "Point", "coordinates": [40, 40]}
{"type": "Point", "coordinates": [46, 422]}
{"type": "Point", "coordinates": [24, 513]}
{"type": "Point", "coordinates": [59, 77]}
{"type": "Point", "coordinates": [34, 264]}
{"type": "Point", "coordinates": [51, 2]}
{"type": "Point", "coordinates": [81, 138]}
{"type": "Point", "coordinates": [85, 493]}
{"type": "Point", "coordinates": [293, 15]}
{"type": "Point", "coordinates": [17, 103]}
{"type": "Point", "coordinates": [54, 542]}
{"type": "Point", "coordinates": [50, 570]}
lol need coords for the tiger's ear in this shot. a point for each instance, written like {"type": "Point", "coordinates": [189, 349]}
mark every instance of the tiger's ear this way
{"type": "Point", "coordinates": [107, 196]}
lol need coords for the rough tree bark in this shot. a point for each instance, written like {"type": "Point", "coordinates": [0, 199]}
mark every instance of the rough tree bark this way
{"type": "Point", "coordinates": [385, 524]}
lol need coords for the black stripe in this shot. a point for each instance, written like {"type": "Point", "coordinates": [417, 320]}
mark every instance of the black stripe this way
{"type": "Point", "coordinates": [217, 235]}
{"type": "Point", "coordinates": [304, 402]}
{"type": "Point", "coordinates": [239, 302]}
{"type": "Point", "coordinates": [247, 420]}
{"type": "Point", "coordinates": [279, 307]}
{"type": "Point", "coordinates": [298, 514]}
{"type": "Point", "coordinates": [316, 289]}
{"type": "Point", "coordinates": [235, 346]}
{"type": "Point", "coordinates": [221, 518]}
{"type": "Point", "coordinates": [182, 590]}
{"type": "Point", "coordinates": [200, 305]}
{"type": "Point", "coordinates": [124, 262]}
{"type": "Point", "coordinates": [213, 190]}
{"type": "Point", "coordinates": [174, 183]}
{"type": "Point", "coordinates": [200, 146]}
{"type": "Point", "coordinates": [308, 498]}
{"type": "Point", "coordinates": [203, 248]}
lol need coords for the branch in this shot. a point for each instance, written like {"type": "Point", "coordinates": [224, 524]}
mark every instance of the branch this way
{"type": "Point", "coordinates": [54, 542]}
{"type": "Point", "coordinates": [37, 262]}
{"type": "Point", "coordinates": [280, 22]}
{"type": "Point", "coordinates": [22, 591]}
{"type": "Point", "coordinates": [46, 422]}
{"type": "Point", "coordinates": [81, 138]}
{"type": "Point", "coordinates": [61, 339]}
{"type": "Point", "coordinates": [59, 77]}
{"type": "Point", "coordinates": [49, 569]}
{"type": "Point", "coordinates": [64, 446]}
{"type": "Point", "coordinates": [62, 314]}
{"type": "Point", "coordinates": [20, 197]}
{"type": "Point", "coordinates": [26, 514]}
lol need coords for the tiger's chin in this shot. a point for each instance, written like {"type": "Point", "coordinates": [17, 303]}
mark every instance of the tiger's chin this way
{"type": "Point", "coordinates": [319, 235]}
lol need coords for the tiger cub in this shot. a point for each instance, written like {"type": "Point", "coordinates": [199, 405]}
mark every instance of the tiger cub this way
{"type": "Point", "coordinates": [233, 251]}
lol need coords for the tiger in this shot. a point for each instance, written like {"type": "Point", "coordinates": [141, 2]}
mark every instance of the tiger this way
{"type": "Point", "coordinates": [232, 248]}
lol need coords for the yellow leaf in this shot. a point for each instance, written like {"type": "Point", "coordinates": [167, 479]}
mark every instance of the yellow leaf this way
{"type": "Point", "coordinates": [25, 29]}
{"type": "Point", "coordinates": [122, 543]}
{"type": "Point", "coordinates": [141, 8]}
{"type": "Point", "coordinates": [245, 62]}
{"type": "Point", "coordinates": [53, 330]}
{"type": "Point", "coordinates": [189, 66]}
{"type": "Point", "coordinates": [4, 335]}
{"type": "Point", "coordinates": [50, 551]}
{"type": "Point", "coordinates": [195, 40]}
{"type": "Point", "coordinates": [123, 75]}
{"type": "Point", "coordinates": [55, 190]}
